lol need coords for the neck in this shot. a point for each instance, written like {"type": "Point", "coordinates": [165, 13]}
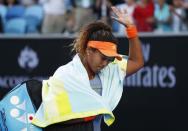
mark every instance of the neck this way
{"type": "Point", "coordinates": [90, 73]}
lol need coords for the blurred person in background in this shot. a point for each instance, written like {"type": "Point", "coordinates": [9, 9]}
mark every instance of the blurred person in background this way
{"type": "Point", "coordinates": [185, 4]}
{"type": "Point", "coordinates": [162, 16]}
{"type": "Point", "coordinates": [84, 13]}
{"type": "Point", "coordinates": [55, 16]}
{"type": "Point", "coordinates": [3, 11]}
{"type": "Point", "coordinates": [103, 8]}
{"type": "Point", "coordinates": [1, 25]}
{"type": "Point", "coordinates": [179, 22]}
{"type": "Point", "coordinates": [144, 15]}
{"type": "Point", "coordinates": [70, 21]}
{"type": "Point", "coordinates": [10, 3]}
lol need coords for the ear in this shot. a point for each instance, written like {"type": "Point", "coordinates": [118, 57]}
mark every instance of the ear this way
{"type": "Point", "coordinates": [89, 50]}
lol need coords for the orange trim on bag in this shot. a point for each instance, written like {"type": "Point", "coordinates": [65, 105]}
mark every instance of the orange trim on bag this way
{"type": "Point", "coordinates": [89, 118]}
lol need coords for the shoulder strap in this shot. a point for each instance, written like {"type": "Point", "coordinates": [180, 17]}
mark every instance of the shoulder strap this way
{"type": "Point", "coordinates": [34, 88]}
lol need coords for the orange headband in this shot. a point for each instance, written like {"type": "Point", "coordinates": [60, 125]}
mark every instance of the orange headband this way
{"type": "Point", "coordinates": [106, 48]}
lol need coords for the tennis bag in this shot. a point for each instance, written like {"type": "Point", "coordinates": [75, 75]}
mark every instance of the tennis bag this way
{"type": "Point", "coordinates": [19, 105]}
{"type": "Point", "coordinates": [17, 109]}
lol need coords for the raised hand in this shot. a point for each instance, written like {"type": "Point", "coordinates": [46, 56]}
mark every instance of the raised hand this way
{"type": "Point", "coordinates": [122, 17]}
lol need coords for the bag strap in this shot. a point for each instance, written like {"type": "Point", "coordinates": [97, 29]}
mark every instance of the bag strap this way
{"type": "Point", "coordinates": [34, 88]}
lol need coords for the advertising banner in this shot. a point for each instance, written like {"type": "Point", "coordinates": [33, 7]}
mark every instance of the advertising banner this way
{"type": "Point", "coordinates": [153, 98]}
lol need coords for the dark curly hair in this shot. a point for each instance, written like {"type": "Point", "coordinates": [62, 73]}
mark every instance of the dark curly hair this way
{"type": "Point", "coordinates": [97, 31]}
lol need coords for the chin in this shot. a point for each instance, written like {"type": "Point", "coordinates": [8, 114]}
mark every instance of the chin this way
{"type": "Point", "coordinates": [98, 69]}
{"type": "Point", "coordinates": [95, 71]}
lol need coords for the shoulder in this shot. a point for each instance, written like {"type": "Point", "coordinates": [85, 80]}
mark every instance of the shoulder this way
{"type": "Point", "coordinates": [122, 64]}
{"type": "Point", "coordinates": [63, 69]}
{"type": "Point", "coordinates": [117, 65]}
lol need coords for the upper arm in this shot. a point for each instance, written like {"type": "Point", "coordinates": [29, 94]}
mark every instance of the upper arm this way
{"type": "Point", "coordinates": [132, 67]}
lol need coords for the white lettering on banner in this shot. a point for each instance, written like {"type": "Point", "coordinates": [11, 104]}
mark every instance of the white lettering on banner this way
{"type": "Point", "coordinates": [152, 76]}
{"type": "Point", "coordinates": [146, 51]}
{"type": "Point", "coordinates": [11, 81]}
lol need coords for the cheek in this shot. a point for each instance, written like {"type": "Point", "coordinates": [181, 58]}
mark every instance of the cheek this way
{"type": "Point", "coordinates": [94, 61]}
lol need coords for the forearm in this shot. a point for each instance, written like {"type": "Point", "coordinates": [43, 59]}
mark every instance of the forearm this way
{"type": "Point", "coordinates": [135, 61]}
{"type": "Point", "coordinates": [135, 50]}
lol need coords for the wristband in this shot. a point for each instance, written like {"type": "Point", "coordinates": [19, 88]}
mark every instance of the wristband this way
{"type": "Point", "coordinates": [131, 32]}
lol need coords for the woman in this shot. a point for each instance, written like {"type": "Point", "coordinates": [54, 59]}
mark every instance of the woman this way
{"type": "Point", "coordinates": [54, 16]}
{"type": "Point", "coordinates": [143, 16]}
{"type": "Point", "coordinates": [179, 21]}
{"type": "Point", "coordinates": [89, 87]}
{"type": "Point", "coordinates": [162, 16]}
